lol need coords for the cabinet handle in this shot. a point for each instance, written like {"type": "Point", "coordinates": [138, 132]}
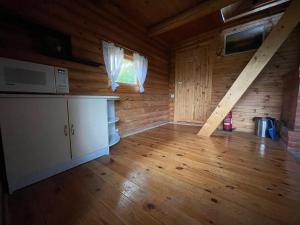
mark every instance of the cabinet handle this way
{"type": "Point", "coordinates": [72, 129]}
{"type": "Point", "coordinates": [66, 130]}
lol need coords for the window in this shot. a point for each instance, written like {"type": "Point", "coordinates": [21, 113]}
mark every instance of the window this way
{"type": "Point", "coordinates": [127, 74]}
{"type": "Point", "coordinates": [244, 40]}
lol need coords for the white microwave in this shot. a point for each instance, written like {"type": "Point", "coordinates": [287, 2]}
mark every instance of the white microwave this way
{"type": "Point", "coordinates": [21, 76]}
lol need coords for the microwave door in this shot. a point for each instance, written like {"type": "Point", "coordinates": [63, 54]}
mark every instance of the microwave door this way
{"type": "Point", "coordinates": [25, 77]}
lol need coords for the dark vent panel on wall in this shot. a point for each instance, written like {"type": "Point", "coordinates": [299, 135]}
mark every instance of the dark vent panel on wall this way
{"type": "Point", "coordinates": [41, 39]}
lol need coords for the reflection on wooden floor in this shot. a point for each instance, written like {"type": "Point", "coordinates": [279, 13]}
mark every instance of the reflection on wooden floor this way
{"type": "Point", "coordinates": [169, 175]}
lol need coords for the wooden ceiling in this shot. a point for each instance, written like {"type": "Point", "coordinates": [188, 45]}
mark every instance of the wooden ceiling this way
{"type": "Point", "coordinates": [175, 20]}
{"type": "Point", "coordinates": [193, 28]}
{"type": "Point", "coordinates": [151, 12]}
{"type": "Point", "coordinates": [243, 8]}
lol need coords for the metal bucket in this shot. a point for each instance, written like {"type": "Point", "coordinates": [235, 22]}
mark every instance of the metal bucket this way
{"type": "Point", "coordinates": [261, 126]}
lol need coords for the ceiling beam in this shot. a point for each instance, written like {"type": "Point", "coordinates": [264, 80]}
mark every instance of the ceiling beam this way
{"type": "Point", "coordinates": [255, 10]}
{"type": "Point", "coordinates": [201, 10]}
{"type": "Point", "coordinates": [263, 55]}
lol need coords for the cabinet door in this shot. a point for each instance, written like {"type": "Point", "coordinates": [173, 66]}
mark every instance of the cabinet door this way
{"type": "Point", "coordinates": [35, 138]}
{"type": "Point", "coordinates": [88, 125]}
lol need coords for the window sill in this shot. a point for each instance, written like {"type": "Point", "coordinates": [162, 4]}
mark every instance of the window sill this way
{"type": "Point", "coordinates": [127, 88]}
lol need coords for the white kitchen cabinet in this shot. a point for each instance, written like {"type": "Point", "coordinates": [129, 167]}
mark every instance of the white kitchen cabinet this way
{"type": "Point", "coordinates": [45, 135]}
{"type": "Point", "coordinates": [88, 125]}
{"type": "Point", "coordinates": [35, 137]}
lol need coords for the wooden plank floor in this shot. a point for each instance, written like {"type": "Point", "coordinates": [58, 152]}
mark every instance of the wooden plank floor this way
{"type": "Point", "coordinates": [169, 175]}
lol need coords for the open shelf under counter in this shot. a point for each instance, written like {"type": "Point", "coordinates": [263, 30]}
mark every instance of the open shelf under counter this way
{"type": "Point", "coordinates": [114, 136]}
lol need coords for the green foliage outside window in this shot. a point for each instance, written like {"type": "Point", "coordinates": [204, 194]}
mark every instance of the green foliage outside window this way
{"type": "Point", "coordinates": [127, 74]}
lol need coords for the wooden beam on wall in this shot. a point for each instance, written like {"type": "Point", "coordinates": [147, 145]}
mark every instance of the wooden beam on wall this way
{"type": "Point", "coordinates": [201, 10]}
{"type": "Point", "coordinates": [277, 36]}
{"type": "Point", "coordinates": [256, 10]}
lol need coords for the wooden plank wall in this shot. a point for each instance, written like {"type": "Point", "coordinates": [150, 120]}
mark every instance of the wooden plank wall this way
{"type": "Point", "coordinates": [290, 138]}
{"type": "Point", "coordinates": [88, 24]}
{"type": "Point", "coordinates": [297, 114]}
{"type": "Point", "coordinates": [290, 100]}
{"type": "Point", "coordinates": [264, 97]}
{"type": "Point", "coordinates": [172, 87]}
{"type": "Point", "coordinates": [290, 130]}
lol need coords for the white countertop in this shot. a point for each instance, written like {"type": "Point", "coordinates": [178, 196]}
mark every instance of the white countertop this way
{"type": "Point", "coordinates": [57, 96]}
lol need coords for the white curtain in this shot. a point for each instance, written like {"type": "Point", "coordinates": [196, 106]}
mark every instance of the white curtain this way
{"type": "Point", "coordinates": [140, 66]}
{"type": "Point", "coordinates": [113, 59]}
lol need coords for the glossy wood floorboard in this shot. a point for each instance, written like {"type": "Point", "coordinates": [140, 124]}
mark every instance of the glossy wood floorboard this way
{"type": "Point", "coordinates": [168, 175]}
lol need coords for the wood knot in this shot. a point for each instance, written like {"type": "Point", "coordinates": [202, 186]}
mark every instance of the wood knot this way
{"type": "Point", "coordinates": [207, 190]}
{"type": "Point", "coordinates": [230, 187]}
{"type": "Point", "coordinates": [58, 190]}
{"type": "Point", "coordinates": [150, 206]}
{"type": "Point", "coordinates": [214, 200]}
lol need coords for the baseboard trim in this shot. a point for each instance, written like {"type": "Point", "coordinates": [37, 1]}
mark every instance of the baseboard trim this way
{"type": "Point", "coordinates": [187, 123]}
{"type": "Point", "coordinates": [144, 129]}
{"type": "Point", "coordinates": [158, 125]}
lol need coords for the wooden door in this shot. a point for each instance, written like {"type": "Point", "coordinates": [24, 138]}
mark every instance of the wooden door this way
{"type": "Point", "coordinates": [88, 125]}
{"type": "Point", "coordinates": [35, 138]}
{"type": "Point", "coordinates": [193, 84]}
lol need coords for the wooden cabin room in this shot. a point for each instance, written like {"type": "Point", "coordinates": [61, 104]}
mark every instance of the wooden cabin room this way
{"type": "Point", "coordinates": [150, 112]}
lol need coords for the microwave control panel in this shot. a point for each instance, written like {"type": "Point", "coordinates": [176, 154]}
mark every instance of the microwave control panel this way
{"type": "Point", "coordinates": [61, 80]}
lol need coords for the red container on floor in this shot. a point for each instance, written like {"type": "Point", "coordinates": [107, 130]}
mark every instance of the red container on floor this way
{"type": "Point", "coordinates": [227, 122]}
